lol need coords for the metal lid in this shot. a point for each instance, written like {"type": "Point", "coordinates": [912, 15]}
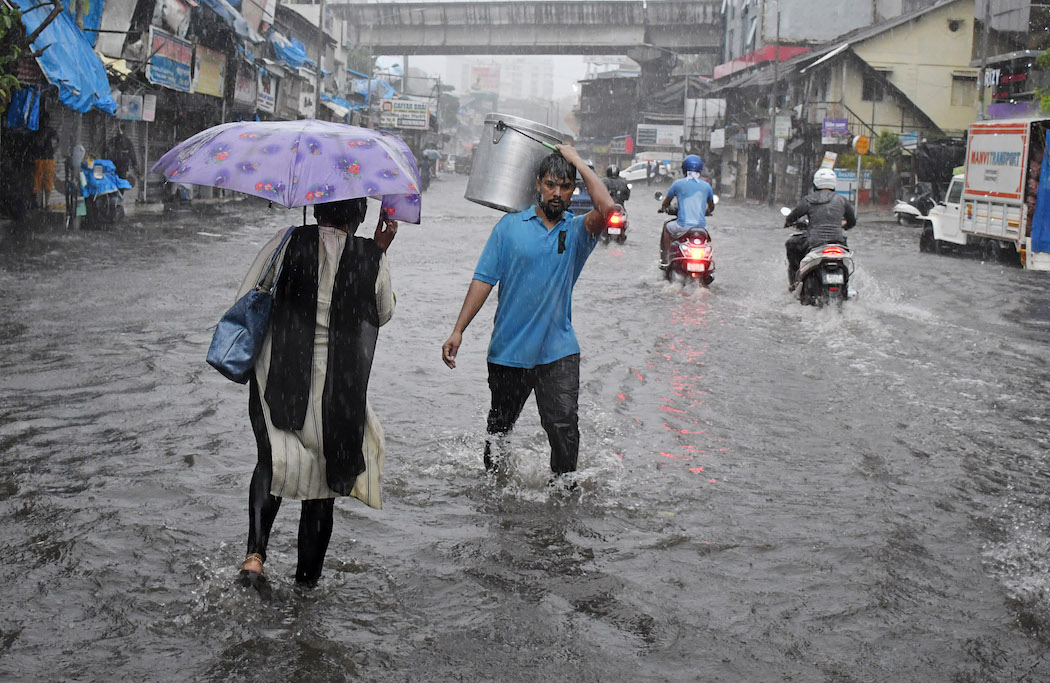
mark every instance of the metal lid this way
{"type": "Point", "coordinates": [555, 136]}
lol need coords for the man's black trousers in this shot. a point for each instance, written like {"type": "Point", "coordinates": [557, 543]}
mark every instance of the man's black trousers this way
{"type": "Point", "coordinates": [557, 387]}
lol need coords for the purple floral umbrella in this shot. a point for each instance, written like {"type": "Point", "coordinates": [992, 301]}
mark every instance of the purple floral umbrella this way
{"type": "Point", "coordinates": [296, 163]}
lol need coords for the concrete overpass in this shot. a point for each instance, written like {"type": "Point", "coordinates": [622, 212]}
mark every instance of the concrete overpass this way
{"type": "Point", "coordinates": [536, 27]}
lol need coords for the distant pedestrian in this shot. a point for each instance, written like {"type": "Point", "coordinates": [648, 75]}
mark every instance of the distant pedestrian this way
{"type": "Point", "coordinates": [650, 171]}
{"type": "Point", "coordinates": [43, 151]}
{"type": "Point", "coordinates": [122, 154]}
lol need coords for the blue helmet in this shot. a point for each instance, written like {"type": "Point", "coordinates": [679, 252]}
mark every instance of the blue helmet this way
{"type": "Point", "coordinates": [692, 163]}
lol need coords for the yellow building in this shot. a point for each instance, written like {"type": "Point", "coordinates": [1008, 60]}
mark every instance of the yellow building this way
{"type": "Point", "coordinates": [927, 56]}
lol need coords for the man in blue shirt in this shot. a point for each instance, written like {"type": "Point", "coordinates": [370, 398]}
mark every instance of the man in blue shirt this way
{"type": "Point", "coordinates": [696, 200]}
{"type": "Point", "coordinates": [536, 256]}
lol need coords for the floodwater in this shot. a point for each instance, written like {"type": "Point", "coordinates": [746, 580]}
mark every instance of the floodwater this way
{"type": "Point", "coordinates": [767, 492]}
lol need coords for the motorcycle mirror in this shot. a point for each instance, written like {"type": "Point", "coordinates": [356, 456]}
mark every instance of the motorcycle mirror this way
{"type": "Point", "coordinates": [784, 211]}
{"type": "Point", "coordinates": [659, 195]}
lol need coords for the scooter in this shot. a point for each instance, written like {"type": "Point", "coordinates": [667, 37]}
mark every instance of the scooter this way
{"type": "Point", "coordinates": [178, 197]}
{"type": "Point", "coordinates": [616, 226]}
{"type": "Point", "coordinates": [916, 207]}
{"type": "Point", "coordinates": [823, 274]}
{"type": "Point", "coordinates": [101, 188]}
{"type": "Point", "coordinates": [691, 255]}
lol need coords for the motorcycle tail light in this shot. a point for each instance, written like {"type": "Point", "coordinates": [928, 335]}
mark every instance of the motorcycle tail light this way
{"type": "Point", "coordinates": [834, 251]}
{"type": "Point", "coordinates": [696, 253]}
{"type": "Point", "coordinates": [615, 219]}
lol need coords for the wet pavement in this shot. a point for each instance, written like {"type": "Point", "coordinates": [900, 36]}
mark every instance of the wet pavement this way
{"type": "Point", "coordinates": [768, 492]}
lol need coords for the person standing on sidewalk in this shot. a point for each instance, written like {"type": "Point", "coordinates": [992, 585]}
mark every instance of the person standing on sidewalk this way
{"type": "Point", "coordinates": [43, 149]}
{"type": "Point", "coordinates": [536, 256]}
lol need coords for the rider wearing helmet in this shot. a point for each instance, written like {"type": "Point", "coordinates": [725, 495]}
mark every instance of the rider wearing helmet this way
{"type": "Point", "coordinates": [829, 214]}
{"type": "Point", "coordinates": [696, 200]}
{"type": "Point", "coordinates": [616, 185]}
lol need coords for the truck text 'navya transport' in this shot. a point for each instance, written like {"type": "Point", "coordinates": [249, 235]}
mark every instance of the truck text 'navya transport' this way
{"type": "Point", "coordinates": [990, 205]}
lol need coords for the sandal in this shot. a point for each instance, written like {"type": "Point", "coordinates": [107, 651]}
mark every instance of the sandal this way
{"type": "Point", "coordinates": [247, 576]}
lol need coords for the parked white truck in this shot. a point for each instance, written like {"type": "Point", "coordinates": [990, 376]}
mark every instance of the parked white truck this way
{"type": "Point", "coordinates": [989, 206]}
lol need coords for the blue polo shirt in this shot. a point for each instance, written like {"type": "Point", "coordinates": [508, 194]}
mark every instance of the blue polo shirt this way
{"type": "Point", "coordinates": [692, 201]}
{"type": "Point", "coordinates": [536, 270]}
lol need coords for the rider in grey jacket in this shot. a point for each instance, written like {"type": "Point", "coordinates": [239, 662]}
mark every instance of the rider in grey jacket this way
{"type": "Point", "coordinates": [829, 215]}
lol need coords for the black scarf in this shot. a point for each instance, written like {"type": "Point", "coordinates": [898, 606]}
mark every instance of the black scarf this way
{"type": "Point", "coordinates": [352, 332]}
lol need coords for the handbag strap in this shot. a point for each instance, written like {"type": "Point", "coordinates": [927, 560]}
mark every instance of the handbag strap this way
{"type": "Point", "coordinates": [273, 260]}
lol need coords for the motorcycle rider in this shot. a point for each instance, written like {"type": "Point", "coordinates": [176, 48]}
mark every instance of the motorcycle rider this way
{"type": "Point", "coordinates": [829, 215]}
{"type": "Point", "coordinates": [616, 185]}
{"type": "Point", "coordinates": [696, 200]}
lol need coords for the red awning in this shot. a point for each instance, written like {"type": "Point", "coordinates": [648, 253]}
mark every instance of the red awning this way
{"type": "Point", "coordinates": [768, 53]}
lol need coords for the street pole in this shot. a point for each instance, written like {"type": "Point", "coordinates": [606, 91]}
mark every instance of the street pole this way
{"type": "Point", "coordinates": [78, 124]}
{"type": "Point", "coordinates": [685, 115]}
{"type": "Point", "coordinates": [773, 116]}
{"type": "Point", "coordinates": [981, 111]}
{"type": "Point", "coordinates": [320, 59]}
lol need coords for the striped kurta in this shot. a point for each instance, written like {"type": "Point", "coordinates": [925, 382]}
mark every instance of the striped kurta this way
{"type": "Point", "coordinates": [298, 456]}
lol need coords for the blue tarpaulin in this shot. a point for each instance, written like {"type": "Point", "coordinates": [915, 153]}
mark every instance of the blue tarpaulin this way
{"type": "Point", "coordinates": [292, 52]}
{"type": "Point", "coordinates": [24, 109]}
{"type": "Point", "coordinates": [376, 88]}
{"type": "Point", "coordinates": [1041, 220]}
{"type": "Point", "coordinates": [342, 102]}
{"type": "Point", "coordinates": [68, 60]}
{"type": "Point", "coordinates": [109, 182]}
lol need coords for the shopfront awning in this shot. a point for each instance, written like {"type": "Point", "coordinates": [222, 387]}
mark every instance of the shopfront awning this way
{"type": "Point", "coordinates": [338, 110]}
{"type": "Point", "coordinates": [235, 19]}
{"type": "Point", "coordinates": [67, 59]}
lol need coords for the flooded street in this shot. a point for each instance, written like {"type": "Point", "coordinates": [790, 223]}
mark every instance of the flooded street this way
{"type": "Point", "coordinates": [768, 492]}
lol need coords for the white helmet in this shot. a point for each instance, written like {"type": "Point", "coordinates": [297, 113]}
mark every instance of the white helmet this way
{"type": "Point", "coordinates": [824, 179]}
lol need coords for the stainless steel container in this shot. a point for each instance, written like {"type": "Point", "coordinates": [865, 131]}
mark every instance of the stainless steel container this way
{"type": "Point", "coordinates": [504, 172]}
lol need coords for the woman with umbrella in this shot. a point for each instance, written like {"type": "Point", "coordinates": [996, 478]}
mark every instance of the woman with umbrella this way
{"type": "Point", "coordinates": [316, 434]}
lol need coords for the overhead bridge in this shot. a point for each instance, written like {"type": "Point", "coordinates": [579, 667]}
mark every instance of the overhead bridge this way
{"type": "Point", "coordinates": [539, 27]}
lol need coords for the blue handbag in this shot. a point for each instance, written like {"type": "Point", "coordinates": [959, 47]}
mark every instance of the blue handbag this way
{"type": "Point", "coordinates": [240, 333]}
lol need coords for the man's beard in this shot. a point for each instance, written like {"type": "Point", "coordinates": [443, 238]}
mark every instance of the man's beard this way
{"type": "Point", "coordinates": [554, 212]}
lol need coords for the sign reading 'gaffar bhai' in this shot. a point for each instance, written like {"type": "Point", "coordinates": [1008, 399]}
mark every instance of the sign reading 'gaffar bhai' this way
{"type": "Point", "coordinates": [404, 114]}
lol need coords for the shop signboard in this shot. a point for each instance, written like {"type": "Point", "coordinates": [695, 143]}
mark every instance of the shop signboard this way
{"type": "Point", "coordinates": [245, 87]}
{"type": "Point", "coordinates": [404, 114]}
{"type": "Point", "coordinates": [718, 138]}
{"type": "Point", "coordinates": [266, 99]}
{"type": "Point", "coordinates": [659, 136]}
{"type": "Point", "coordinates": [622, 144]}
{"type": "Point", "coordinates": [782, 127]}
{"type": "Point", "coordinates": [209, 71]}
{"type": "Point", "coordinates": [149, 107]}
{"type": "Point", "coordinates": [835, 132]}
{"type": "Point", "coordinates": [169, 64]}
{"type": "Point", "coordinates": [484, 78]}
{"type": "Point", "coordinates": [129, 107]}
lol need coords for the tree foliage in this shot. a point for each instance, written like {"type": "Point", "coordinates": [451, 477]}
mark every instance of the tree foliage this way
{"type": "Point", "coordinates": [10, 52]}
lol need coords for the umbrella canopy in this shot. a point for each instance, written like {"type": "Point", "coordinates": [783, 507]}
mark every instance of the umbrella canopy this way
{"type": "Point", "coordinates": [431, 154]}
{"type": "Point", "coordinates": [296, 163]}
